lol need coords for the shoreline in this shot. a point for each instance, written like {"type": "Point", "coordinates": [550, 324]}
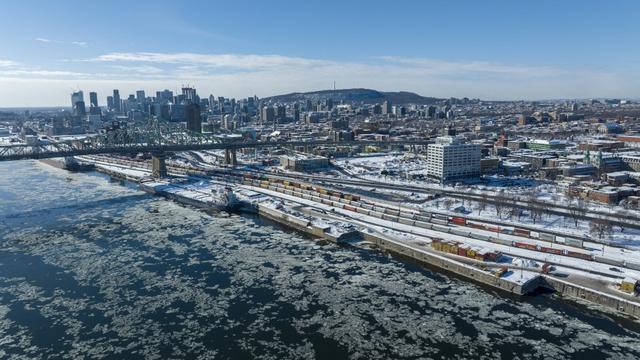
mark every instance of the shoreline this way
{"type": "Point", "coordinates": [566, 290]}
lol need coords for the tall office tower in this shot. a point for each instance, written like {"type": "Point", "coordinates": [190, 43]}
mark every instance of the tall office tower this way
{"type": "Point", "coordinates": [140, 97]}
{"type": "Point", "coordinates": [309, 106]}
{"type": "Point", "coordinates": [164, 96]}
{"type": "Point", "coordinates": [280, 112]}
{"type": "Point", "coordinates": [117, 103]}
{"type": "Point", "coordinates": [386, 107]}
{"type": "Point", "coordinates": [77, 103]}
{"type": "Point", "coordinates": [109, 102]}
{"type": "Point", "coordinates": [76, 97]}
{"type": "Point", "coordinates": [212, 102]}
{"type": "Point", "coordinates": [267, 114]}
{"type": "Point", "coordinates": [192, 114]}
{"type": "Point", "coordinates": [431, 111]}
{"type": "Point", "coordinates": [93, 99]}
{"type": "Point", "coordinates": [189, 93]}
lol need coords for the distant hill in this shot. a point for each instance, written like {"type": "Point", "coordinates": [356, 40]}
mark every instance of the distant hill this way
{"type": "Point", "coordinates": [366, 96]}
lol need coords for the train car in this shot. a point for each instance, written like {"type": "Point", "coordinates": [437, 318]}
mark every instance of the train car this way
{"type": "Point", "coordinates": [362, 211]}
{"type": "Point", "coordinates": [573, 242]}
{"type": "Point", "coordinates": [534, 235]}
{"type": "Point", "coordinates": [547, 237]}
{"type": "Point", "coordinates": [580, 255]}
{"type": "Point", "coordinates": [480, 237]}
{"type": "Point", "coordinates": [392, 212]}
{"type": "Point", "coordinates": [356, 203]}
{"type": "Point", "coordinates": [355, 197]}
{"type": "Point", "coordinates": [440, 217]}
{"type": "Point", "coordinates": [390, 217]}
{"type": "Point", "coordinates": [521, 232]}
{"type": "Point", "coordinates": [406, 221]}
{"type": "Point", "coordinates": [348, 196]}
{"type": "Point", "coordinates": [492, 228]}
{"type": "Point", "coordinates": [551, 250]}
{"type": "Point", "coordinates": [440, 221]}
{"type": "Point", "coordinates": [502, 241]}
{"type": "Point", "coordinates": [458, 220]}
{"type": "Point", "coordinates": [440, 228]}
{"type": "Point", "coordinates": [610, 261]}
{"type": "Point", "coordinates": [349, 207]}
{"type": "Point", "coordinates": [525, 246]}
{"type": "Point", "coordinates": [475, 225]}
{"type": "Point", "coordinates": [322, 191]}
{"type": "Point", "coordinates": [630, 265]}
{"type": "Point", "coordinates": [422, 224]}
{"type": "Point", "coordinates": [460, 232]}
{"type": "Point", "coordinates": [423, 218]}
{"type": "Point", "coordinates": [367, 206]}
{"type": "Point", "coordinates": [506, 230]}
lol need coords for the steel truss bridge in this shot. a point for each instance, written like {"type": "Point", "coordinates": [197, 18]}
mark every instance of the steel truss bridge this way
{"type": "Point", "coordinates": [156, 141]}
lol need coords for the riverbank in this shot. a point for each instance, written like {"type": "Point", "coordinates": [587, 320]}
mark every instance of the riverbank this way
{"type": "Point", "coordinates": [513, 283]}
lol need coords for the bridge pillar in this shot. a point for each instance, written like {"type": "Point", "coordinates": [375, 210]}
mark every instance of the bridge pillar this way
{"type": "Point", "coordinates": [230, 157]}
{"type": "Point", "coordinates": [158, 165]}
{"type": "Point", "coordinates": [227, 157]}
{"type": "Point", "coordinates": [234, 159]}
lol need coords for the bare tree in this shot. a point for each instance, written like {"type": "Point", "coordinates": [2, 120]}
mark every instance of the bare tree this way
{"type": "Point", "coordinates": [535, 208]}
{"type": "Point", "coordinates": [499, 204]}
{"type": "Point", "coordinates": [601, 228]}
{"type": "Point", "coordinates": [577, 209]}
{"type": "Point", "coordinates": [481, 206]}
{"type": "Point", "coordinates": [448, 203]}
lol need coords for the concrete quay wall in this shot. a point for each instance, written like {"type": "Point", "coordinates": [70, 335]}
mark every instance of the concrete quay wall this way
{"type": "Point", "coordinates": [610, 301]}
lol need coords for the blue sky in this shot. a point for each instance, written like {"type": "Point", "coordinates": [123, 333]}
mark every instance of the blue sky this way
{"type": "Point", "coordinates": [488, 49]}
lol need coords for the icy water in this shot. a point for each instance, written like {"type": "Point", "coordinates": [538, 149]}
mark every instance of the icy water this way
{"type": "Point", "coordinates": [92, 269]}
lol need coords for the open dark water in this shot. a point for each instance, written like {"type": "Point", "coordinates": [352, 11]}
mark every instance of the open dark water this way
{"type": "Point", "coordinates": [92, 269]}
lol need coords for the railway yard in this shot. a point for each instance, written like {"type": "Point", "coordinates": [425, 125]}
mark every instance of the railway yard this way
{"type": "Point", "coordinates": [518, 258]}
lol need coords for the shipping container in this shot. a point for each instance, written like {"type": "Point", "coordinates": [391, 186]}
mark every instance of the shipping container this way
{"type": "Point", "coordinates": [573, 242]}
{"type": "Point", "coordinates": [547, 237]}
{"type": "Point", "coordinates": [458, 220]}
{"type": "Point", "coordinates": [534, 234]}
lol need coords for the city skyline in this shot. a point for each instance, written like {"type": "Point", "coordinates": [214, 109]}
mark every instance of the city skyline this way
{"type": "Point", "coordinates": [504, 51]}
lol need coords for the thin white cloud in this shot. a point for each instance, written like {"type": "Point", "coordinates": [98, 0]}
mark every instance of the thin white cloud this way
{"type": "Point", "coordinates": [51, 41]}
{"type": "Point", "coordinates": [42, 73]}
{"type": "Point", "coordinates": [7, 63]}
{"type": "Point", "coordinates": [441, 66]}
{"type": "Point", "coordinates": [239, 61]}
{"type": "Point", "coordinates": [140, 69]}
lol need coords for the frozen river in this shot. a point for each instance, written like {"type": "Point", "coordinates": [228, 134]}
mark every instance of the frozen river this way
{"type": "Point", "coordinates": [93, 269]}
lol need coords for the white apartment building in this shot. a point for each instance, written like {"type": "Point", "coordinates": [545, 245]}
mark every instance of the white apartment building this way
{"type": "Point", "coordinates": [448, 159]}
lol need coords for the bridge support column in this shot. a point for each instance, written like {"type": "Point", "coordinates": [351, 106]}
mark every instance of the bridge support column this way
{"type": "Point", "coordinates": [158, 165]}
{"type": "Point", "coordinates": [230, 157]}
